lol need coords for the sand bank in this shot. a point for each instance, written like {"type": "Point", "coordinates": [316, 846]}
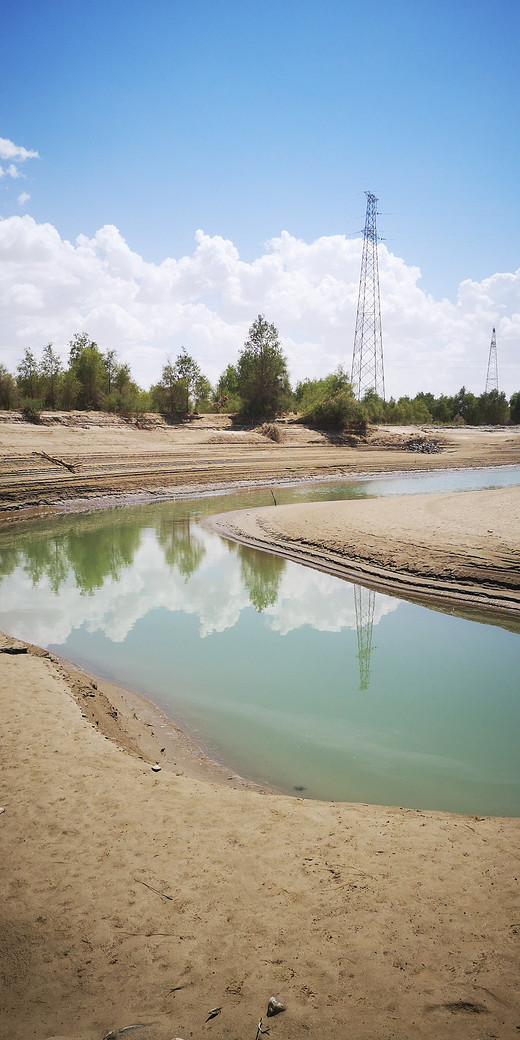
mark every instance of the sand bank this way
{"type": "Point", "coordinates": [461, 548]}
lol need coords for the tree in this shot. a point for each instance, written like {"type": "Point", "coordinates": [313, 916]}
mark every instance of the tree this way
{"type": "Point", "coordinates": [69, 389]}
{"type": "Point", "coordinates": [263, 381]}
{"type": "Point", "coordinates": [329, 402]}
{"type": "Point", "coordinates": [89, 369]}
{"type": "Point", "coordinates": [167, 396]}
{"type": "Point", "coordinates": [79, 341]}
{"type": "Point", "coordinates": [227, 395]}
{"type": "Point", "coordinates": [514, 408]}
{"type": "Point", "coordinates": [465, 406]}
{"type": "Point", "coordinates": [111, 368]}
{"type": "Point", "coordinates": [50, 368]}
{"type": "Point", "coordinates": [493, 408]}
{"type": "Point", "coordinates": [8, 390]}
{"type": "Point", "coordinates": [28, 376]}
{"type": "Point", "coordinates": [189, 375]}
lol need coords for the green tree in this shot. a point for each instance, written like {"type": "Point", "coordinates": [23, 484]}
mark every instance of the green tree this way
{"type": "Point", "coordinates": [89, 369]}
{"type": "Point", "coordinates": [69, 389]}
{"type": "Point", "coordinates": [79, 341]}
{"type": "Point", "coordinates": [465, 406]}
{"type": "Point", "coordinates": [329, 402]}
{"type": "Point", "coordinates": [167, 396]}
{"type": "Point", "coordinates": [190, 378]}
{"type": "Point", "coordinates": [492, 408]}
{"type": "Point", "coordinates": [8, 389]}
{"type": "Point", "coordinates": [28, 376]}
{"type": "Point", "coordinates": [227, 395]}
{"type": "Point", "coordinates": [111, 368]}
{"type": "Point", "coordinates": [263, 381]}
{"type": "Point", "coordinates": [374, 406]}
{"type": "Point", "coordinates": [50, 368]}
{"type": "Point", "coordinates": [514, 408]}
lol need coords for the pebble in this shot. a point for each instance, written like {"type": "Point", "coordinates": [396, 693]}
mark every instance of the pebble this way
{"type": "Point", "coordinates": [274, 1007]}
{"type": "Point", "coordinates": [156, 768]}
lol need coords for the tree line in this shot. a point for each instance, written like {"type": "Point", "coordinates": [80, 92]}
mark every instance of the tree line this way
{"type": "Point", "coordinates": [256, 387]}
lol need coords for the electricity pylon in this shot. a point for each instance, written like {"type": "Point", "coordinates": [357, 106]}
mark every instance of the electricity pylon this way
{"type": "Point", "coordinates": [492, 369]}
{"type": "Point", "coordinates": [364, 602]}
{"type": "Point", "coordinates": [367, 358]}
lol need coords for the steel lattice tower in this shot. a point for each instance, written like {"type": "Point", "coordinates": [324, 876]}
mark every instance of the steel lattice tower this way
{"type": "Point", "coordinates": [367, 358]}
{"type": "Point", "coordinates": [492, 369]}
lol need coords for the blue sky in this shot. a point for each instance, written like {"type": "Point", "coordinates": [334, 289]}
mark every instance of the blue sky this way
{"type": "Point", "coordinates": [250, 119]}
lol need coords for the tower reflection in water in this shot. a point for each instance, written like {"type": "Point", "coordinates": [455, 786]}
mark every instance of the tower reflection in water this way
{"type": "Point", "coordinates": [364, 601]}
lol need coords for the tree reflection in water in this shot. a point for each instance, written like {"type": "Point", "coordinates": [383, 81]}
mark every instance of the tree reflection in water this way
{"type": "Point", "coordinates": [261, 573]}
{"type": "Point", "coordinates": [182, 548]}
{"type": "Point", "coordinates": [94, 547]}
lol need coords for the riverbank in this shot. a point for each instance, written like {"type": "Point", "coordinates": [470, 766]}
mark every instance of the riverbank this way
{"type": "Point", "coordinates": [461, 548]}
{"type": "Point", "coordinates": [137, 896]}
{"type": "Point", "coordinates": [82, 460]}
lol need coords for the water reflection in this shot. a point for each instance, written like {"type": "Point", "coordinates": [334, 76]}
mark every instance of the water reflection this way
{"type": "Point", "coordinates": [91, 551]}
{"type": "Point", "coordinates": [365, 602]}
{"type": "Point", "coordinates": [108, 571]}
{"type": "Point", "coordinates": [183, 549]}
{"type": "Point", "coordinates": [266, 659]}
{"type": "Point", "coordinates": [261, 574]}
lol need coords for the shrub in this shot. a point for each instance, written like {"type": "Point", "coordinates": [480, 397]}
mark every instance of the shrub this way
{"type": "Point", "coordinates": [31, 410]}
{"type": "Point", "coordinates": [272, 431]}
{"type": "Point", "coordinates": [335, 412]}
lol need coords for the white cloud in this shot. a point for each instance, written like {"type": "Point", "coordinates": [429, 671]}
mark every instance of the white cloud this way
{"type": "Point", "coordinates": [23, 198]}
{"type": "Point", "coordinates": [51, 288]}
{"type": "Point", "coordinates": [8, 150]}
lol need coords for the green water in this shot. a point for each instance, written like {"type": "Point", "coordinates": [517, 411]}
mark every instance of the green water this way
{"type": "Point", "coordinates": [289, 676]}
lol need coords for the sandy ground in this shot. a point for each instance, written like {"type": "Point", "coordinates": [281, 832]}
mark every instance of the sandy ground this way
{"type": "Point", "coordinates": [139, 898]}
{"type": "Point", "coordinates": [46, 467]}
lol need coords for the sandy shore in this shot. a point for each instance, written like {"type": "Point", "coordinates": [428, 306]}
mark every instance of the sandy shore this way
{"type": "Point", "coordinates": [131, 896]}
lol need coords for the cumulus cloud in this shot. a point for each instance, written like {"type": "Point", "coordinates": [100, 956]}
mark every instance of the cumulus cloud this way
{"type": "Point", "coordinates": [51, 288]}
{"type": "Point", "coordinates": [8, 150]}
{"type": "Point", "coordinates": [23, 198]}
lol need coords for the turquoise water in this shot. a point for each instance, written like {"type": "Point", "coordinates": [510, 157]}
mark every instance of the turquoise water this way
{"type": "Point", "coordinates": [289, 676]}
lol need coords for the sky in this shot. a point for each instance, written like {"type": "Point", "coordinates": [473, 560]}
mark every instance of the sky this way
{"type": "Point", "coordinates": [169, 171]}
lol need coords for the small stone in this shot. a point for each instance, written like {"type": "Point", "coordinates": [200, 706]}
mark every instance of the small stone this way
{"type": "Point", "coordinates": [274, 1007]}
{"type": "Point", "coordinates": [156, 768]}
{"type": "Point", "coordinates": [2, 810]}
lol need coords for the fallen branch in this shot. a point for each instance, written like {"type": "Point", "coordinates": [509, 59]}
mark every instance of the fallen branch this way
{"type": "Point", "coordinates": [156, 890]}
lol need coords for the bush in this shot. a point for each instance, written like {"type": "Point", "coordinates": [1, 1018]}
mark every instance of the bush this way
{"type": "Point", "coordinates": [272, 431]}
{"type": "Point", "coordinates": [335, 412]}
{"type": "Point", "coordinates": [31, 409]}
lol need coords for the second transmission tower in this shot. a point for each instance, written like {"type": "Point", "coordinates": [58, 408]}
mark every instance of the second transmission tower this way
{"type": "Point", "coordinates": [367, 358]}
{"type": "Point", "coordinates": [492, 369]}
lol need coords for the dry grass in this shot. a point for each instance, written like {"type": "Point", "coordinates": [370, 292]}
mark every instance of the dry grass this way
{"type": "Point", "coordinates": [272, 431]}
